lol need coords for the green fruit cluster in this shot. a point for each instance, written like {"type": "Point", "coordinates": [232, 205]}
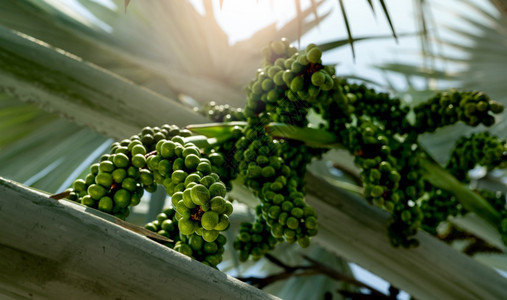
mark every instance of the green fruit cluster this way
{"type": "Point", "coordinates": [285, 88]}
{"type": "Point", "coordinates": [221, 112]}
{"type": "Point", "coordinates": [254, 239]}
{"type": "Point", "coordinates": [279, 187]}
{"type": "Point", "coordinates": [390, 175]}
{"type": "Point", "coordinates": [194, 246]}
{"type": "Point", "coordinates": [166, 225]}
{"type": "Point", "coordinates": [446, 108]}
{"type": "Point", "coordinates": [119, 180]}
{"type": "Point", "coordinates": [380, 107]}
{"type": "Point", "coordinates": [479, 149]}
{"type": "Point", "coordinates": [196, 191]}
{"type": "Point", "coordinates": [288, 88]}
{"type": "Point", "coordinates": [374, 127]}
{"type": "Point", "coordinates": [161, 156]}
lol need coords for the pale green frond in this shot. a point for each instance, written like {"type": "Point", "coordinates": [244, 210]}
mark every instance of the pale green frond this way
{"type": "Point", "coordinates": [19, 119]}
{"type": "Point", "coordinates": [89, 95]}
{"type": "Point", "coordinates": [48, 156]}
{"type": "Point", "coordinates": [497, 261]}
{"type": "Point", "coordinates": [339, 43]}
{"type": "Point", "coordinates": [166, 45]}
{"type": "Point", "coordinates": [414, 70]}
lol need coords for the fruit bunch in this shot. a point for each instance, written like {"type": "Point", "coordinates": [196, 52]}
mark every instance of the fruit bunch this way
{"type": "Point", "coordinates": [196, 190]}
{"type": "Point", "coordinates": [371, 125]}
{"type": "Point", "coordinates": [121, 177]}
{"type": "Point", "coordinates": [290, 86]}
{"type": "Point", "coordinates": [166, 225]}
{"type": "Point", "coordinates": [255, 239]}
{"type": "Point", "coordinates": [478, 149]}
{"type": "Point", "coordinates": [194, 246]}
{"type": "Point", "coordinates": [278, 187]}
{"type": "Point", "coordinates": [161, 156]}
{"type": "Point", "coordinates": [471, 108]}
{"type": "Point", "coordinates": [221, 112]}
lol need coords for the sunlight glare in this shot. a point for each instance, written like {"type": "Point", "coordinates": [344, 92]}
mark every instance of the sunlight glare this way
{"type": "Point", "coordinates": [240, 19]}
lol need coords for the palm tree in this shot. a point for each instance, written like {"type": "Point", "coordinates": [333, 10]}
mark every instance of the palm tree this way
{"type": "Point", "coordinates": [156, 71]}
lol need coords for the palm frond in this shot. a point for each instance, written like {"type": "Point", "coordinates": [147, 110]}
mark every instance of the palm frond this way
{"type": "Point", "coordinates": [347, 26]}
{"type": "Point", "coordinates": [50, 155]}
{"type": "Point", "coordinates": [388, 17]}
{"type": "Point", "coordinates": [19, 119]}
{"type": "Point", "coordinates": [472, 55]}
{"type": "Point", "coordinates": [145, 45]}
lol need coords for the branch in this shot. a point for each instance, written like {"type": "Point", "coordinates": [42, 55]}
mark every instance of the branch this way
{"type": "Point", "coordinates": [315, 268]}
{"type": "Point", "coordinates": [349, 173]}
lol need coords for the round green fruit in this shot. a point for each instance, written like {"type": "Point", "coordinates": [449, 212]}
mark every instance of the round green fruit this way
{"type": "Point", "coordinates": [200, 194]}
{"type": "Point", "coordinates": [121, 160]}
{"type": "Point", "coordinates": [209, 220]}
{"type": "Point", "coordinates": [217, 189]}
{"type": "Point", "coordinates": [186, 226]}
{"type": "Point", "coordinates": [209, 235]}
{"type": "Point", "coordinates": [105, 204]}
{"type": "Point", "coordinates": [121, 198]}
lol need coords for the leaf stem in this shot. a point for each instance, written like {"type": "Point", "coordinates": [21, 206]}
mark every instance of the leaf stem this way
{"type": "Point", "coordinates": [313, 137]}
{"type": "Point", "coordinates": [441, 178]}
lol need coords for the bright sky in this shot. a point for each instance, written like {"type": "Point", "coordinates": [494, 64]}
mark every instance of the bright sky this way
{"type": "Point", "coordinates": [240, 19]}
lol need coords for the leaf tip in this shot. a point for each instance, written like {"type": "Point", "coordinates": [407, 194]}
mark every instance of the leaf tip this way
{"type": "Point", "coordinates": [127, 2]}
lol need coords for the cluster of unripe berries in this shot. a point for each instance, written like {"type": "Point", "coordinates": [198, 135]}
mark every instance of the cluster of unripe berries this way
{"type": "Point", "coordinates": [221, 112]}
{"type": "Point", "coordinates": [478, 149]}
{"type": "Point", "coordinates": [255, 239]}
{"type": "Point", "coordinates": [209, 253]}
{"type": "Point", "coordinates": [161, 156]}
{"type": "Point", "coordinates": [446, 108]}
{"type": "Point", "coordinates": [120, 178]}
{"type": "Point", "coordinates": [288, 83]}
{"type": "Point", "coordinates": [196, 191]}
{"type": "Point", "coordinates": [370, 125]}
{"type": "Point", "coordinates": [481, 149]}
